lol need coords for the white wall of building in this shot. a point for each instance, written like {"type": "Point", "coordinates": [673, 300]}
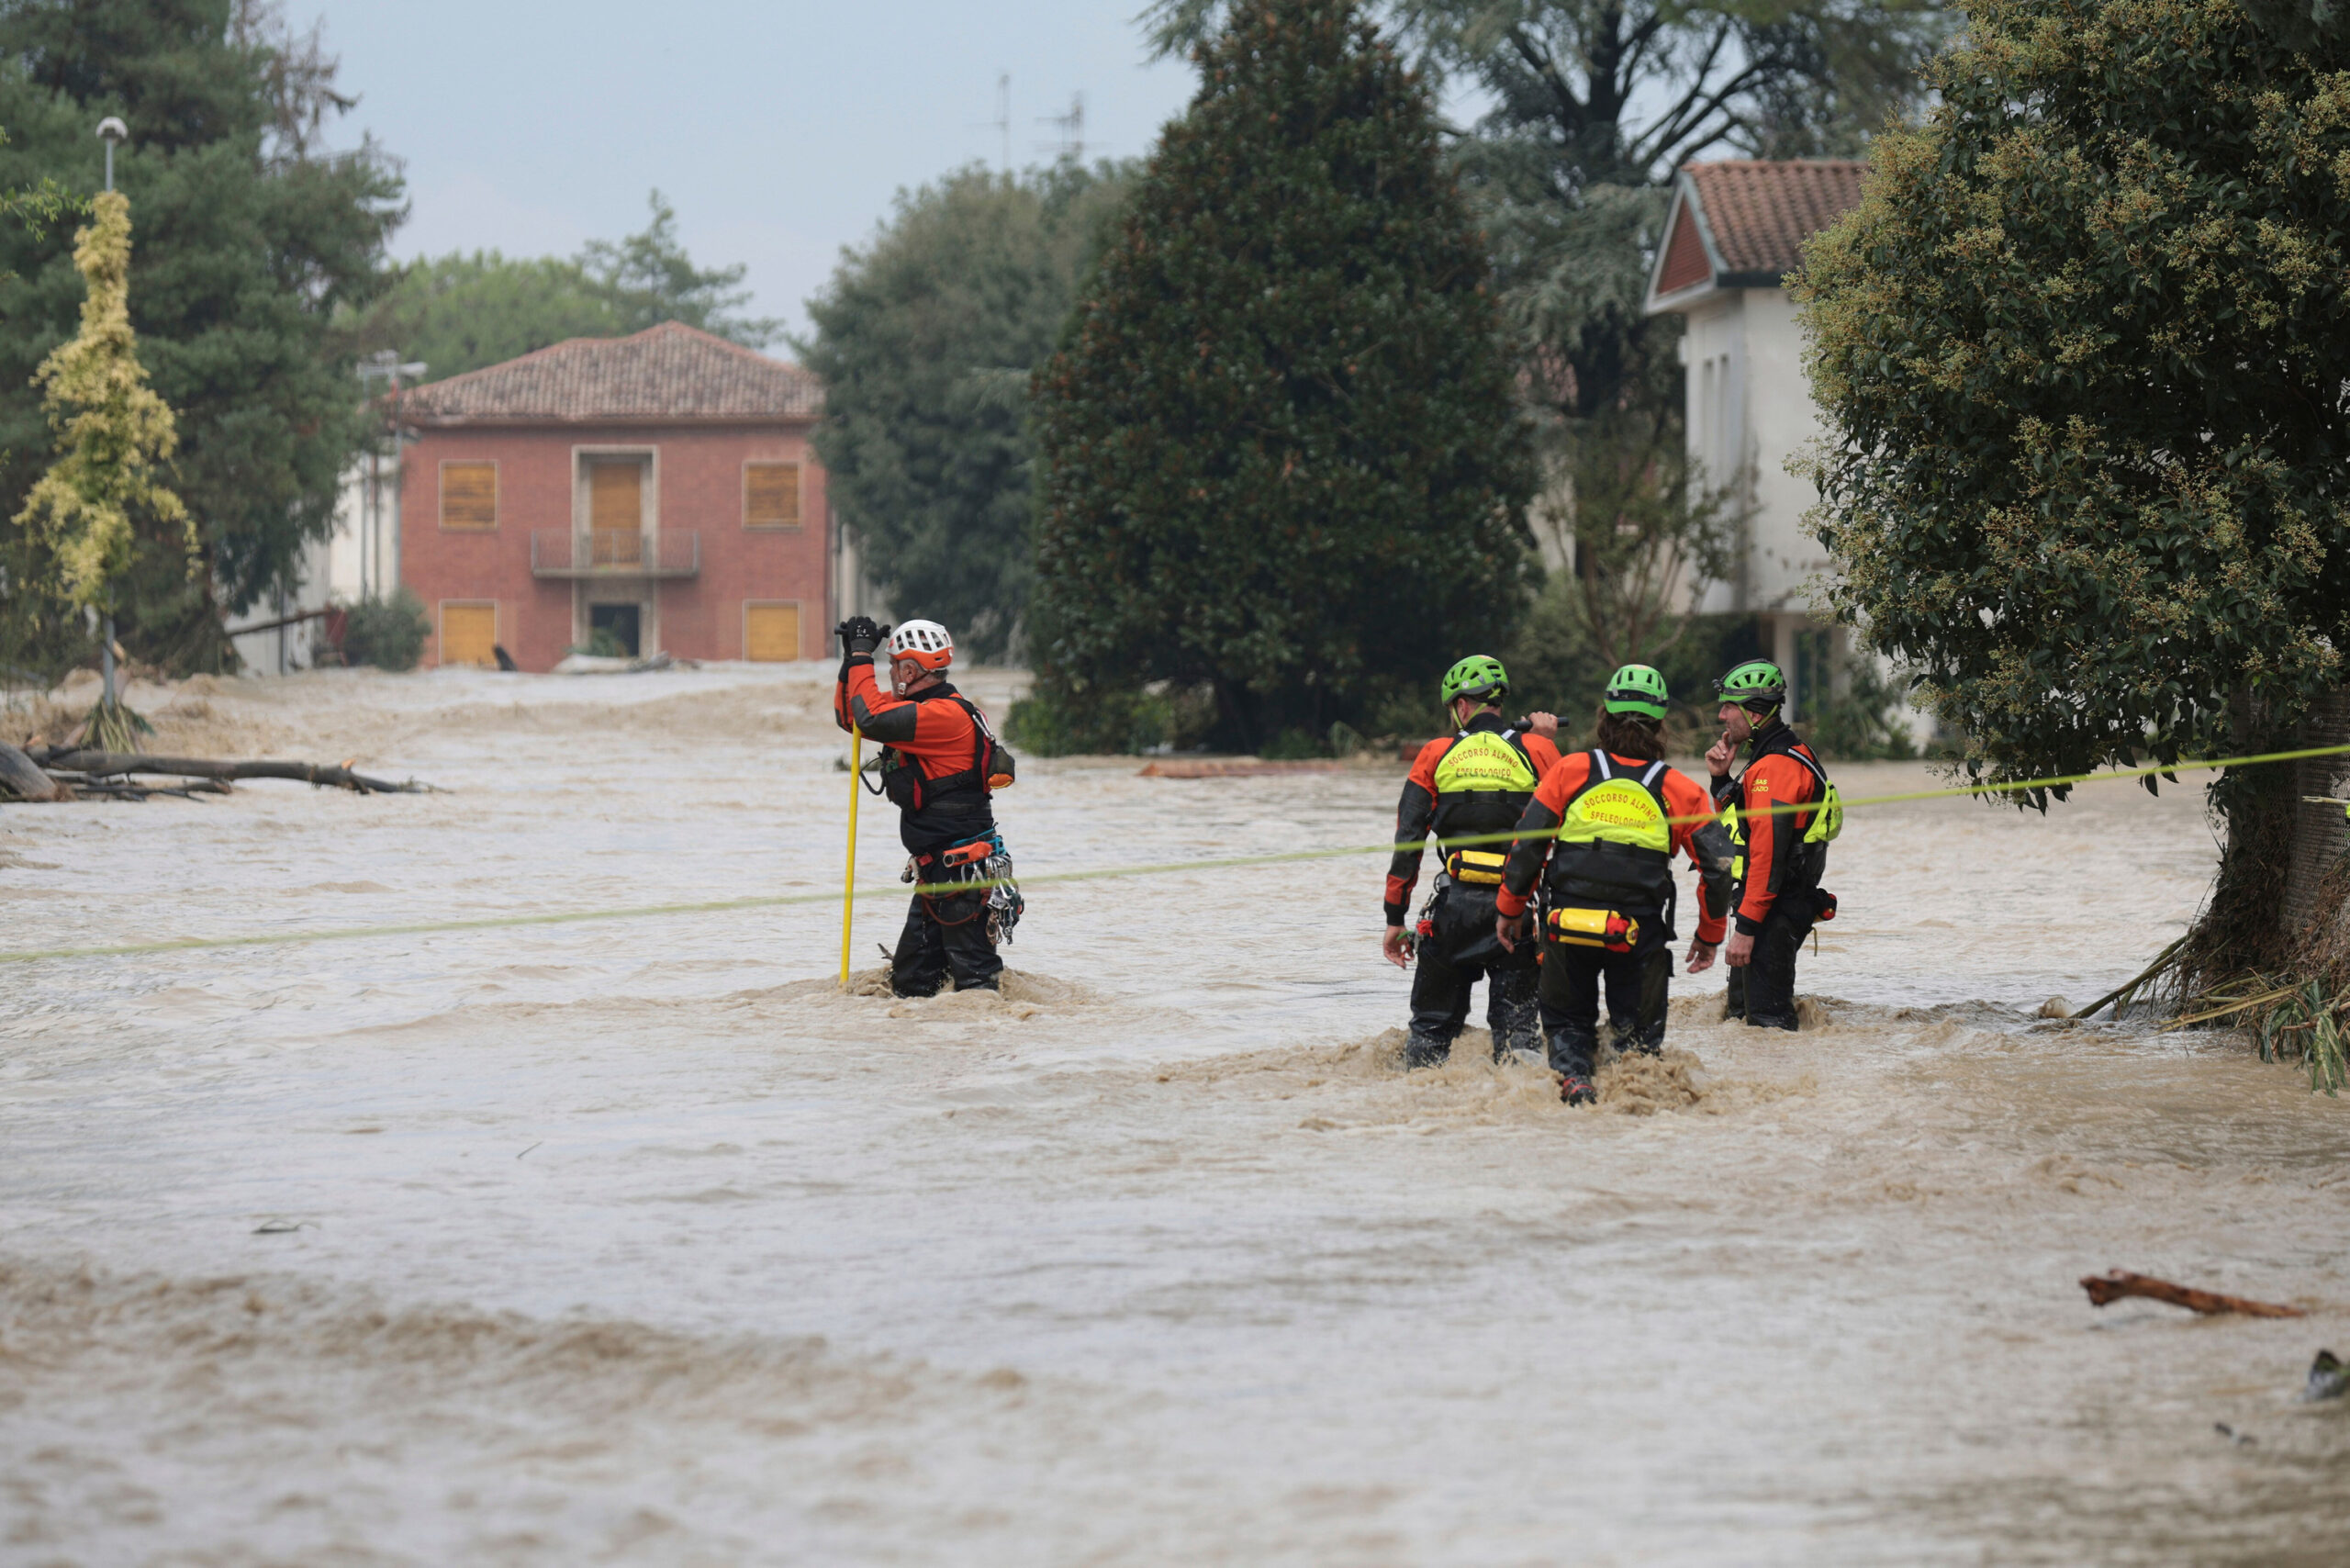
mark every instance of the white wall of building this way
{"type": "Point", "coordinates": [1786, 569]}
{"type": "Point", "coordinates": [1750, 413]}
{"type": "Point", "coordinates": [349, 565]}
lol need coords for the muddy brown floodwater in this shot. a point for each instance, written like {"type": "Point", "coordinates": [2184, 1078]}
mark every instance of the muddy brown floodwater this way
{"type": "Point", "coordinates": [637, 1242]}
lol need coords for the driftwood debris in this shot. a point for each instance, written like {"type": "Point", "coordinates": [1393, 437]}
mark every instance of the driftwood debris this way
{"type": "Point", "coordinates": [2115, 1283]}
{"type": "Point", "coordinates": [81, 787]}
{"type": "Point", "coordinates": [20, 777]}
{"type": "Point", "coordinates": [78, 772]}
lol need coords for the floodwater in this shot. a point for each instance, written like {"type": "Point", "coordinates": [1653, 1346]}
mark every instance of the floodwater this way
{"type": "Point", "coordinates": [637, 1242]}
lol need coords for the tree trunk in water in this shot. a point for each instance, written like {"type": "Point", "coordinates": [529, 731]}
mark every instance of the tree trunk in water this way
{"type": "Point", "coordinates": [2320, 834]}
{"type": "Point", "coordinates": [2268, 913]}
{"type": "Point", "coordinates": [21, 776]}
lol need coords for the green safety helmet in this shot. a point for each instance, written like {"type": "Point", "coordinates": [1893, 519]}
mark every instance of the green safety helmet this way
{"type": "Point", "coordinates": [1479, 675]}
{"type": "Point", "coordinates": [1757, 683]}
{"type": "Point", "coordinates": [1637, 689]}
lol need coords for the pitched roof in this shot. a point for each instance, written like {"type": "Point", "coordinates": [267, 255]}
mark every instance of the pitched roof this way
{"type": "Point", "coordinates": [668, 372]}
{"type": "Point", "coordinates": [1740, 223]}
{"type": "Point", "coordinates": [1762, 213]}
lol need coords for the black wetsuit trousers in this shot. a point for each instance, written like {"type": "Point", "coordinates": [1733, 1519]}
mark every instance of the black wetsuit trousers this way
{"type": "Point", "coordinates": [1764, 991]}
{"type": "Point", "coordinates": [1458, 952]}
{"type": "Point", "coordinates": [1637, 985]}
{"type": "Point", "coordinates": [943, 937]}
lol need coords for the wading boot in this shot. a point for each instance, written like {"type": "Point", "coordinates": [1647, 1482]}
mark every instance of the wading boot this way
{"type": "Point", "coordinates": [1424, 1049]}
{"type": "Point", "coordinates": [1513, 1011]}
{"type": "Point", "coordinates": [1627, 1038]}
{"type": "Point", "coordinates": [1572, 1047]}
{"type": "Point", "coordinates": [1771, 1021]}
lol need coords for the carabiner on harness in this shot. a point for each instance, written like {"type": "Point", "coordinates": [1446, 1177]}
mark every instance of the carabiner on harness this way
{"type": "Point", "coordinates": [986, 865]}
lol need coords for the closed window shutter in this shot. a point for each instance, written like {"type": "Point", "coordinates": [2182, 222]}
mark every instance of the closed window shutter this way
{"type": "Point", "coordinates": [771, 632]}
{"type": "Point", "coordinates": [469, 634]}
{"type": "Point", "coordinates": [469, 495]}
{"type": "Point", "coordinates": [771, 495]}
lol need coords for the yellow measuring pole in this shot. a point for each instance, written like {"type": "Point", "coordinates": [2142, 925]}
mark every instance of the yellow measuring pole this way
{"type": "Point", "coordinates": [848, 889]}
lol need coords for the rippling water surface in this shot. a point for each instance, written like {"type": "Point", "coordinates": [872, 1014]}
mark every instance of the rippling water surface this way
{"type": "Point", "coordinates": [638, 1242]}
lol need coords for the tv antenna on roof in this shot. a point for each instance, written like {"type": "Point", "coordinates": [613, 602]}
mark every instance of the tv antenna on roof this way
{"type": "Point", "coordinates": [1072, 124]}
{"type": "Point", "coordinates": [1002, 121]}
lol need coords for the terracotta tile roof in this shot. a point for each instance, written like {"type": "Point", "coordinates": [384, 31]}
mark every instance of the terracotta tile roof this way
{"type": "Point", "coordinates": [1760, 214]}
{"type": "Point", "coordinates": [668, 372]}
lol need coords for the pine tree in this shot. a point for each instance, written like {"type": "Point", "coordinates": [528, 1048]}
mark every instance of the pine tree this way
{"type": "Point", "coordinates": [1282, 454]}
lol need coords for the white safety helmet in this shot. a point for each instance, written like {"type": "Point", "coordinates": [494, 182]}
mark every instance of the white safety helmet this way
{"type": "Point", "coordinates": [924, 642]}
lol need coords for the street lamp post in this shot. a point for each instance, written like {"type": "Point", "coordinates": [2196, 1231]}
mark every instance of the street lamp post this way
{"type": "Point", "coordinates": [384, 363]}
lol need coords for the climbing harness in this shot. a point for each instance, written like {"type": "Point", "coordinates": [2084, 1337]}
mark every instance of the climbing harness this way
{"type": "Point", "coordinates": [977, 867]}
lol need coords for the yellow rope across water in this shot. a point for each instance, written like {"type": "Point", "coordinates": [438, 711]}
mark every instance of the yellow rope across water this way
{"type": "Point", "coordinates": [1159, 868]}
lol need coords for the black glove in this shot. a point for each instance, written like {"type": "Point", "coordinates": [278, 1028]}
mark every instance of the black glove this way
{"type": "Point", "coordinates": [858, 635]}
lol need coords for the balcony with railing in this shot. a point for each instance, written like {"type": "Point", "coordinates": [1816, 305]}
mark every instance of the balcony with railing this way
{"type": "Point", "coordinates": [663, 552]}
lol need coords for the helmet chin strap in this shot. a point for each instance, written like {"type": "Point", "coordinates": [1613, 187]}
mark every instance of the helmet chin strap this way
{"type": "Point", "coordinates": [902, 687]}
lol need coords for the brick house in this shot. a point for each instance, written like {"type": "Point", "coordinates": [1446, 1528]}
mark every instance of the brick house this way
{"type": "Point", "coordinates": [657, 489]}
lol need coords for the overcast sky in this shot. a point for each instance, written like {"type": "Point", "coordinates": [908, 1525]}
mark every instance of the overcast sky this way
{"type": "Point", "coordinates": [780, 131]}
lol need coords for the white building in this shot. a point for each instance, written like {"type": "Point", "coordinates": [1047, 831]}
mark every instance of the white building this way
{"type": "Point", "coordinates": [1735, 231]}
{"type": "Point", "coordinates": [359, 560]}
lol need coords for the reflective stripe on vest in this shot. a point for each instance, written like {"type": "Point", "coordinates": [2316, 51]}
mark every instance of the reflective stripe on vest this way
{"type": "Point", "coordinates": [1619, 807]}
{"type": "Point", "coordinates": [1615, 841]}
{"type": "Point", "coordinates": [1484, 762]}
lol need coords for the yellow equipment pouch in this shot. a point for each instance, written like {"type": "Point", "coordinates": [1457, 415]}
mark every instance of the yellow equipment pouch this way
{"type": "Point", "coordinates": [1595, 928]}
{"type": "Point", "coordinates": [1476, 865]}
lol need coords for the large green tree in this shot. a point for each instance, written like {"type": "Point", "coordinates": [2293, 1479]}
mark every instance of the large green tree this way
{"type": "Point", "coordinates": [925, 339]}
{"type": "Point", "coordinates": [1584, 110]}
{"type": "Point", "coordinates": [2081, 349]}
{"type": "Point", "coordinates": [462, 311]}
{"type": "Point", "coordinates": [1282, 451]}
{"type": "Point", "coordinates": [250, 238]}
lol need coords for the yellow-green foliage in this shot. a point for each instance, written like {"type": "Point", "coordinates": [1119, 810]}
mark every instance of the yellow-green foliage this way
{"type": "Point", "coordinates": [2082, 351]}
{"type": "Point", "coordinates": [113, 431]}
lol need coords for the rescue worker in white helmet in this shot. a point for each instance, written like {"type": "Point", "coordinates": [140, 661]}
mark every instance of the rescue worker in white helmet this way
{"type": "Point", "coordinates": [1474, 782]}
{"type": "Point", "coordinates": [1598, 837]}
{"type": "Point", "coordinates": [1782, 851]}
{"type": "Point", "coordinates": [940, 765]}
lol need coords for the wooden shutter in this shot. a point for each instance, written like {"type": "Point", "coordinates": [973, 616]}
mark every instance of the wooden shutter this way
{"type": "Point", "coordinates": [468, 633]}
{"type": "Point", "coordinates": [469, 495]}
{"type": "Point", "coordinates": [771, 495]}
{"type": "Point", "coordinates": [771, 632]}
{"type": "Point", "coordinates": [616, 513]}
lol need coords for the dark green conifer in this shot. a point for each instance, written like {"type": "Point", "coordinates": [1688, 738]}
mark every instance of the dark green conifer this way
{"type": "Point", "coordinates": [1281, 455]}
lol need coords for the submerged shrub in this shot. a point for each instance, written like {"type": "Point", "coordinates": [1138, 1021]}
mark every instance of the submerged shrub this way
{"type": "Point", "coordinates": [387, 634]}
